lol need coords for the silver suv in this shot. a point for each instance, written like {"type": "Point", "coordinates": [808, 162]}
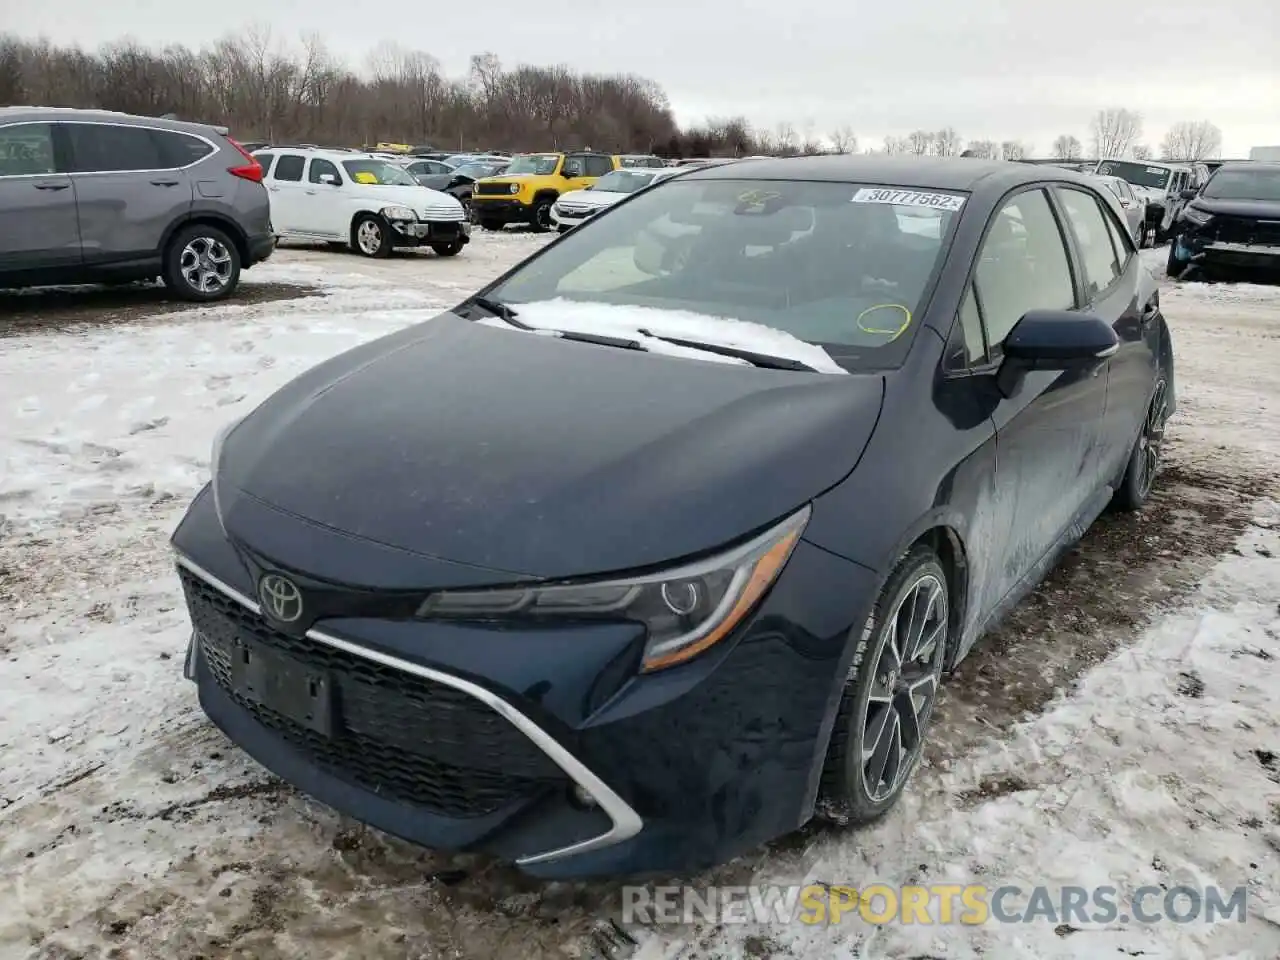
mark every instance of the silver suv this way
{"type": "Point", "coordinates": [89, 196]}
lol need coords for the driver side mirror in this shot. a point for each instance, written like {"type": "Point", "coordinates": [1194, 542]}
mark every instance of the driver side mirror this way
{"type": "Point", "coordinates": [1054, 340]}
{"type": "Point", "coordinates": [330, 179]}
{"type": "Point", "coordinates": [1190, 194]}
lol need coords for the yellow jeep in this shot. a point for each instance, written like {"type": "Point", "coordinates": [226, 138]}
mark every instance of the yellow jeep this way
{"type": "Point", "coordinates": [531, 184]}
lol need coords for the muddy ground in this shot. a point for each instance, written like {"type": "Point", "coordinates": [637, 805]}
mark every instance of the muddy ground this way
{"type": "Point", "coordinates": [250, 869]}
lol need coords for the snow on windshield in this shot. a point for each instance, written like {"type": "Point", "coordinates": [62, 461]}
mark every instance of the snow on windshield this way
{"type": "Point", "coordinates": [622, 320]}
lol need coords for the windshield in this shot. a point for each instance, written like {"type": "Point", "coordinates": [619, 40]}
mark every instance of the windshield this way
{"type": "Point", "coordinates": [1136, 173]}
{"type": "Point", "coordinates": [1243, 185]}
{"type": "Point", "coordinates": [378, 173]}
{"type": "Point", "coordinates": [837, 265]}
{"type": "Point", "coordinates": [623, 181]}
{"type": "Point", "coordinates": [541, 164]}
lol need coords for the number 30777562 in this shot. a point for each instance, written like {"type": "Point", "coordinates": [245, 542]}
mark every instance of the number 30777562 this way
{"type": "Point", "coordinates": [909, 198]}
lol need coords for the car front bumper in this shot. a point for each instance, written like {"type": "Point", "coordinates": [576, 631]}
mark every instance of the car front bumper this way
{"type": "Point", "coordinates": [422, 232]}
{"type": "Point", "coordinates": [503, 210]}
{"type": "Point", "coordinates": [568, 219]}
{"type": "Point", "coordinates": [1192, 247]}
{"type": "Point", "coordinates": [562, 759]}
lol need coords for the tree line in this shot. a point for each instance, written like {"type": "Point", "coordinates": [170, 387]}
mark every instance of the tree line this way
{"type": "Point", "coordinates": [265, 90]}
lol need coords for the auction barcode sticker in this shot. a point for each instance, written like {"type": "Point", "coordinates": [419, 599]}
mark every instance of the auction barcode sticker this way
{"type": "Point", "coordinates": [909, 198]}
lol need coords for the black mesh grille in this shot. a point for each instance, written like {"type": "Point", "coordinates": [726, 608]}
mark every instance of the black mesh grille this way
{"type": "Point", "coordinates": [397, 735]}
{"type": "Point", "coordinates": [492, 189]}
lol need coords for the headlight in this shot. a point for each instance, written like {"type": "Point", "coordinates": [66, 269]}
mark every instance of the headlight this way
{"type": "Point", "coordinates": [1196, 215]}
{"type": "Point", "coordinates": [515, 188]}
{"type": "Point", "coordinates": [399, 213]}
{"type": "Point", "coordinates": [684, 611]}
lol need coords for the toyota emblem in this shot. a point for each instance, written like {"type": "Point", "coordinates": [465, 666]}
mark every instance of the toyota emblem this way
{"type": "Point", "coordinates": [281, 599]}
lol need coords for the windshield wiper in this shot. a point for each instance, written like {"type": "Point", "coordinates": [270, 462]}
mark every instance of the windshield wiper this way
{"type": "Point", "coordinates": [508, 314]}
{"type": "Point", "coordinates": [501, 311]}
{"type": "Point", "coordinates": [753, 358]}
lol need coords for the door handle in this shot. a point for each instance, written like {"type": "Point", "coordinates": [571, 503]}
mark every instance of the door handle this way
{"type": "Point", "coordinates": [274, 189]}
{"type": "Point", "coordinates": [164, 183]}
{"type": "Point", "coordinates": [52, 186]}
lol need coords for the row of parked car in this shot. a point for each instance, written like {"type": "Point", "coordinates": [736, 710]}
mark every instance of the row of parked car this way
{"type": "Point", "coordinates": [1213, 220]}
{"type": "Point", "coordinates": [120, 198]}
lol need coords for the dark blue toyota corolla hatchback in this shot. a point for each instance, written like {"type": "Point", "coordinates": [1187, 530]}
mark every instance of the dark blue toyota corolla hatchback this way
{"type": "Point", "coordinates": [662, 543]}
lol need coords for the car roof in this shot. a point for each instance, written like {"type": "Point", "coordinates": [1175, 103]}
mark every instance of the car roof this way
{"type": "Point", "coordinates": [326, 153]}
{"type": "Point", "coordinates": [1268, 166]}
{"type": "Point", "coordinates": [929, 173]}
{"type": "Point", "coordinates": [26, 113]}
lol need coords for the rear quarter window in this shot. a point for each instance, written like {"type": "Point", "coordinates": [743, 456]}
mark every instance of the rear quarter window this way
{"type": "Point", "coordinates": [180, 149]}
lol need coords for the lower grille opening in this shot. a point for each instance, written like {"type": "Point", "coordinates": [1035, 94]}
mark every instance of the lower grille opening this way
{"type": "Point", "coordinates": [395, 734]}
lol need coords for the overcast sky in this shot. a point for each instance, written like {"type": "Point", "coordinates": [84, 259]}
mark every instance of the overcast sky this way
{"type": "Point", "coordinates": [993, 69]}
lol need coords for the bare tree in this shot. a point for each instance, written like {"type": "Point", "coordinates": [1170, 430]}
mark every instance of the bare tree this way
{"type": "Point", "coordinates": [1014, 150]}
{"type": "Point", "coordinates": [843, 139]}
{"type": "Point", "coordinates": [1191, 140]}
{"type": "Point", "coordinates": [919, 142]}
{"type": "Point", "coordinates": [785, 138]}
{"type": "Point", "coordinates": [984, 149]}
{"type": "Point", "coordinates": [1114, 131]}
{"type": "Point", "coordinates": [945, 142]}
{"type": "Point", "coordinates": [1140, 151]}
{"type": "Point", "coordinates": [893, 145]}
{"type": "Point", "coordinates": [1067, 147]}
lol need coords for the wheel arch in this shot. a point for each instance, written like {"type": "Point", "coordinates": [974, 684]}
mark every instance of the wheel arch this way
{"type": "Point", "coordinates": [224, 223]}
{"type": "Point", "coordinates": [945, 541]}
{"type": "Point", "coordinates": [546, 193]}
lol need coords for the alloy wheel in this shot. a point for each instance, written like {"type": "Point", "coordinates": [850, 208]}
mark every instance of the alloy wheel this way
{"type": "Point", "coordinates": [369, 237]}
{"type": "Point", "coordinates": [904, 687]}
{"type": "Point", "coordinates": [1151, 440]}
{"type": "Point", "coordinates": [205, 264]}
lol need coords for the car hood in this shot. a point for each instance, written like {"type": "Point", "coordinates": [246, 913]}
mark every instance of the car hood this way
{"type": "Point", "coordinates": [1149, 194]}
{"type": "Point", "coordinates": [530, 455]}
{"type": "Point", "coordinates": [418, 197]}
{"type": "Point", "coordinates": [591, 198]}
{"type": "Point", "coordinates": [1261, 209]}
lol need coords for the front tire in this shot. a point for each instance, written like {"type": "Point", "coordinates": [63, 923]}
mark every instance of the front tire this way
{"type": "Point", "coordinates": [879, 733]}
{"type": "Point", "coordinates": [201, 264]}
{"type": "Point", "coordinates": [371, 236]}
{"type": "Point", "coordinates": [1144, 460]}
{"type": "Point", "coordinates": [447, 249]}
{"type": "Point", "coordinates": [541, 219]}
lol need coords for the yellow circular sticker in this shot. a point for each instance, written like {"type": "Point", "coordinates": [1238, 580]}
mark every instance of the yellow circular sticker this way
{"type": "Point", "coordinates": [884, 324]}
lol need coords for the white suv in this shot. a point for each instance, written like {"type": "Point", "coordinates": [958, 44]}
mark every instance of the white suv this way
{"type": "Point", "coordinates": [358, 200]}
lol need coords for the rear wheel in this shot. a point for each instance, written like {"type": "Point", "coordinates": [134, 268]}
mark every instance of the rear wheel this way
{"type": "Point", "coordinates": [371, 236]}
{"type": "Point", "coordinates": [1144, 461]}
{"type": "Point", "coordinates": [890, 690]}
{"type": "Point", "coordinates": [201, 263]}
{"type": "Point", "coordinates": [447, 249]}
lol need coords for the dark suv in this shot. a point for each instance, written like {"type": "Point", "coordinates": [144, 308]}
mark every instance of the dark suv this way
{"type": "Point", "coordinates": [111, 198]}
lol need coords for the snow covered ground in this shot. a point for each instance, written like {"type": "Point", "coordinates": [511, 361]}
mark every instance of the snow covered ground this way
{"type": "Point", "coordinates": [130, 828]}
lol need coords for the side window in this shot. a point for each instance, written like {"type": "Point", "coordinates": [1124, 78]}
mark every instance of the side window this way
{"type": "Point", "coordinates": [264, 159]}
{"type": "Point", "coordinates": [289, 167]}
{"type": "Point", "coordinates": [975, 347]}
{"type": "Point", "coordinates": [573, 167]}
{"type": "Point", "coordinates": [598, 166]}
{"type": "Point", "coordinates": [1023, 265]}
{"type": "Point", "coordinates": [180, 150]}
{"type": "Point", "coordinates": [1086, 218]}
{"type": "Point", "coordinates": [107, 148]}
{"type": "Point", "coordinates": [321, 166]}
{"type": "Point", "coordinates": [26, 149]}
